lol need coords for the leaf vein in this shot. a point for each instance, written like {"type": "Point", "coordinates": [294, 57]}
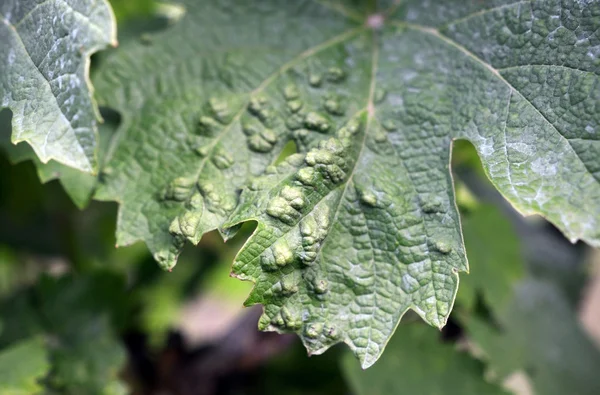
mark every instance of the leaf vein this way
{"type": "Point", "coordinates": [483, 12]}
{"type": "Point", "coordinates": [435, 33]}
{"type": "Point", "coordinates": [306, 54]}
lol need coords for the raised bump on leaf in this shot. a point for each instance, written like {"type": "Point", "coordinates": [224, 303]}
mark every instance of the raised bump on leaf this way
{"type": "Point", "coordinates": [445, 77]}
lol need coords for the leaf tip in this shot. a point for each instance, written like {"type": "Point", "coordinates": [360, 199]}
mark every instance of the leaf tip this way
{"type": "Point", "coordinates": [367, 363]}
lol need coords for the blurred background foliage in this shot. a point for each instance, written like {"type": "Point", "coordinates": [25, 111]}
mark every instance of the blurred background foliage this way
{"type": "Point", "coordinates": [78, 316]}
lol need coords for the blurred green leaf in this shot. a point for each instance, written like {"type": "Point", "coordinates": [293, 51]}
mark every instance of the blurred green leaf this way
{"type": "Point", "coordinates": [130, 9]}
{"type": "Point", "coordinates": [218, 281]}
{"type": "Point", "coordinates": [417, 362]}
{"type": "Point", "coordinates": [490, 241]}
{"type": "Point", "coordinates": [161, 300]}
{"type": "Point", "coordinates": [464, 154]}
{"type": "Point", "coordinates": [92, 363]}
{"type": "Point", "coordinates": [22, 365]}
{"type": "Point", "coordinates": [78, 185]}
{"type": "Point", "coordinates": [11, 271]}
{"type": "Point", "coordinates": [78, 315]}
{"type": "Point", "coordinates": [540, 335]}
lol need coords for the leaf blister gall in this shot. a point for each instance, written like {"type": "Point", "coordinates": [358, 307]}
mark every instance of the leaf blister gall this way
{"type": "Point", "coordinates": [372, 111]}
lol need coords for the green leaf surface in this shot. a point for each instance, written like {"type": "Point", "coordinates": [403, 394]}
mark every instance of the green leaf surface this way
{"type": "Point", "coordinates": [360, 225]}
{"type": "Point", "coordinates": [490, 241]}
{"type": "Point", "coordinates": [540, 335]}
{"type": "Point", "coordinates": [22, 366]}
{"type": "Point", "coordinates": [417, 362]}
{"type": "Point", "coordinates": [45, 47]}
{"type": "Point", "coordinates": [132, 9]}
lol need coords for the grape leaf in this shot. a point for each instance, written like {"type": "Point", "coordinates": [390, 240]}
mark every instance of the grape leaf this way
{"type": "Point", "coordinates": [184, 112]}
{"type": "Point", "coordinates": [361, 224]}
{"type": "Point", "coordinates": [45, 47]}
{"type": "Point", "coordinates": [415, 355]}
{"type": "Point", "coordinates": [22, 365]}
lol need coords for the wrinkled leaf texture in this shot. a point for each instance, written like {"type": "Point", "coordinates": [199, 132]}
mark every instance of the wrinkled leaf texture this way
{"type": "Point", "coordinates": [361, 224]}
{"type": "Point", "coordinates": [45, 48]}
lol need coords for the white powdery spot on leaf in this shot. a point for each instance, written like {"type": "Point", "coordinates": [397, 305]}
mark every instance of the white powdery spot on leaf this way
{"type": "Point", "coordinates": [544, 166]}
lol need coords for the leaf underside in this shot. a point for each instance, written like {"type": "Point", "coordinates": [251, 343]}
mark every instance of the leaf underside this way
{"type": "Point", "coordinates": [360, 225]}
{"type": "Point", "coordinates": [45, 47]}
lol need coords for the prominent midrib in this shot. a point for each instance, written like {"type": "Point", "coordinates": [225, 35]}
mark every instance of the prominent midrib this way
{"type": "Point", "coordinates": [370, 116]}
{"type": "Point", "coordinates": [369, 108]}
{"type": "Point", "coordinates": [348, 34]}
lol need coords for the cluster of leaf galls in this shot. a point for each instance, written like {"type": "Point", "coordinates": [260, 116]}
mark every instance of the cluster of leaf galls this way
{"type": "Point", "coordinates": [322, 168]}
